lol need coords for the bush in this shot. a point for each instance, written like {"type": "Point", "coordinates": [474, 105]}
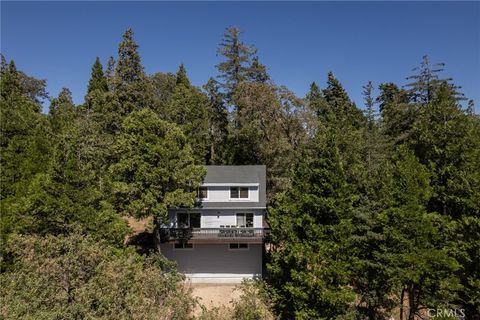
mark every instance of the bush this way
{"type": "Point", "coordinates": [75, 277]}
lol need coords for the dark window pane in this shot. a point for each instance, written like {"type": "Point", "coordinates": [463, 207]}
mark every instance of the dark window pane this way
{"type": "Point", "coordinates": [195, 220]}
{"type": "Point", "coordinates": [182, 220]}
{"type": "Point", "coordinates": [249, 220]}
{"type": "Point", "coordinates": [244, 193]}
{"type": "Point", "coordinates": [202, 193]}
{"type": "Point", "coordinates": [243, 245]}
{"type": "Point", "coordinates": [233, 245]}
{"type": "Point", "coordinates": [233, 192]}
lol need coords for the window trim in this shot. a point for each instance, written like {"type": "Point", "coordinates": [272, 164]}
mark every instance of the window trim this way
{"type": "Point", "coordinates": [239, 192]}
{"type": "Point", "coordinates": [238, 246]}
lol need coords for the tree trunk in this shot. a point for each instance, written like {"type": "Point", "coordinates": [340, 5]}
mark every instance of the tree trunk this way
{"type": "Point", "coordinates": [411, 302]}
{"type": "Point", "coordinates": [402, 296]}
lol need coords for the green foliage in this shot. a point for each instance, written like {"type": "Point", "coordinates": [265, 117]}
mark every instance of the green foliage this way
{"type": "Point", "coordinates": [155, 168]}
{"type": "Point", "coordinates": [267, 130]}
{"type": "Point", "coordinates": [77, 277]}
{"type": "Point", "coordinates": [98, 81]}
{"type": "Point", "coordinates": [253, 302]}
{"type": "Point", "coordinates": [235, 69]}
{"type": "Point", "coordinates": [310, 228]}
{"type": "Point", "coordinates": [370, 212]}
{"type": "Point", "coordinates": [24, 145]}
{"type": "Point", "coordinates": [189, 108]}
{"type": "Point", "coordinates": [218, 130]}
{"type": "Point", "coordinates": [62, 112]}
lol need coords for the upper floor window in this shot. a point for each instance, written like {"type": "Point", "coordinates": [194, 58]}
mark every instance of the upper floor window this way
{"type": "Point", "coordinates": [239, 192]}
{"type": "Point", "coordinates": [202, 193]}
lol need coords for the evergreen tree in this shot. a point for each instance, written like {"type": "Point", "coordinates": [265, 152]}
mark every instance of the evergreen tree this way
{"type": "Point", "coordinates": [132, 90]}
{"type": "Point", "coordinates": [340, 104]}
{"type": "Point", "coordinates": [155, 168]}
{"type": "Point", "coordinates": [110, 73]}
{"type": "Point", "coordinates": [308, 263]}
{"type": "Point", "coordinates": [129, 69]}
{"type": "Point", "coordinates": [316, 104]}
{"type": "Point", "coordinates": [98, 81]}
{"type": "Point", "coordinates": [189, 108]}
{"type": "Point", "coordinates": [257, 72]}
{"type": "Point", "coordinates": [415, 252]}
{"type": "Point", "coordinates": [447, 141]}
{"type": "Point", "coordinates": [62, 112]}
{"type": "Point", "coordinates": [219, 149]}
{"type": "Point", "coordinates": [238, 55]}
{"type": "Point", "coordinates": [266, 131]}
{"type": "Point", "coordinates": [182, 78]}
{"type": "Point", "coordinates": [398, 115]}
{"type": "Point", "coordinates": [426, 82]}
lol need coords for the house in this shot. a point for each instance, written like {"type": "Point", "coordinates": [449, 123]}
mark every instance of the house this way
{"type": "Point", "coordinates": [222, 238]}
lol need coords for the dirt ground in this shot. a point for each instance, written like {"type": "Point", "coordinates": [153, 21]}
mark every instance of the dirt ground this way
{"type": "Point", "coordinates": [215, 295]}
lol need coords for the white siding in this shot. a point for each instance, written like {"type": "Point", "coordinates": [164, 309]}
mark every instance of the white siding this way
{"type": "Point", "coordinates": [216, 262]}
{"type": "Point", "coordinates": [222, 194]}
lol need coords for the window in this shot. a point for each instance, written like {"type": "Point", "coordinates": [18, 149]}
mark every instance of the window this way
{"type": "Point", "coordinates": [183, 245]}
{"type": "Point", "coordinates": [234, 246]}
{"type": "Point", "coordinates": [245, 220]}
{"type": "Point", "coordinates": [188, 220]}
{"type": "Point", "coordinates": [202, 193]}
{"type": "Point", "coordinates": [239, 192]}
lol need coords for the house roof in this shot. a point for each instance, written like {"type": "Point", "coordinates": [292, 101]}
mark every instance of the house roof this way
{"type": "Point", "coordinates": [231, 175]}
{"type": "Point", "coordinates": [235, 174]}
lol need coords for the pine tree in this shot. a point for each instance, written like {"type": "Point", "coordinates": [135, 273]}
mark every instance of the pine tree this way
{"type": "Point", "coordinates": [266, 130]}
{"type": "Point", "coordinates": [128, 68]}
{"type": "Point", "coordinates": [238, 57]}
{"type": "Point", "coordinates": [182, 78]}
{"type": "Point", "coordinates": [426, 82]}
{"type": "Point", "coordinates": [98, 81]}
{"type": "Point", "coordinates": [62, 112]}
{"type": "Point", "coordinates": [343, 109]}
{"type": "Point", "coordinates": [318, 105]}
{"type": "Point", "coordinates": [416, 253]}
{"type": "Point", "coordinates": [131, 86]}
{"type": "Point", "coordinates": [445, 140]}
{"type": "Point", "coordinates": [155, 168]}
{"type": "Point", "coordinates": [398, 115]}
{"type": "Point", "coordinates": [219, 149]}
{"type": "Point", "coordinates": [257, 72]}
{"type": "Point", "coordinates": [189, 108]}
{"type": "Point", "coordinates": [308, 268]}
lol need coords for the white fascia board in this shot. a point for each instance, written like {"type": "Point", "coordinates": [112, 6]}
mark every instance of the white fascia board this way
{"type": "Point", "coordinates": [230, 184]}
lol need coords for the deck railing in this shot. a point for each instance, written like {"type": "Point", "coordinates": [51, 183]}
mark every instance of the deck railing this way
{"type": "Point", "coordinates": [168, 234]}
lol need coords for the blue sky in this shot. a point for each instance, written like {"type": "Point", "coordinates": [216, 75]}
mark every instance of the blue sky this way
{"type": "Point", "coordinates": [299, 42]}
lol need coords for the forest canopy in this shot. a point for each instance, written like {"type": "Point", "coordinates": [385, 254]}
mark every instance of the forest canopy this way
{"type": "Point", "coordinates": [372, 209]}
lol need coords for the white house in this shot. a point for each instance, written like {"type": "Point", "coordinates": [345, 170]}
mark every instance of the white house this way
{"type": "Point", "coordinates": [222, 238]}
